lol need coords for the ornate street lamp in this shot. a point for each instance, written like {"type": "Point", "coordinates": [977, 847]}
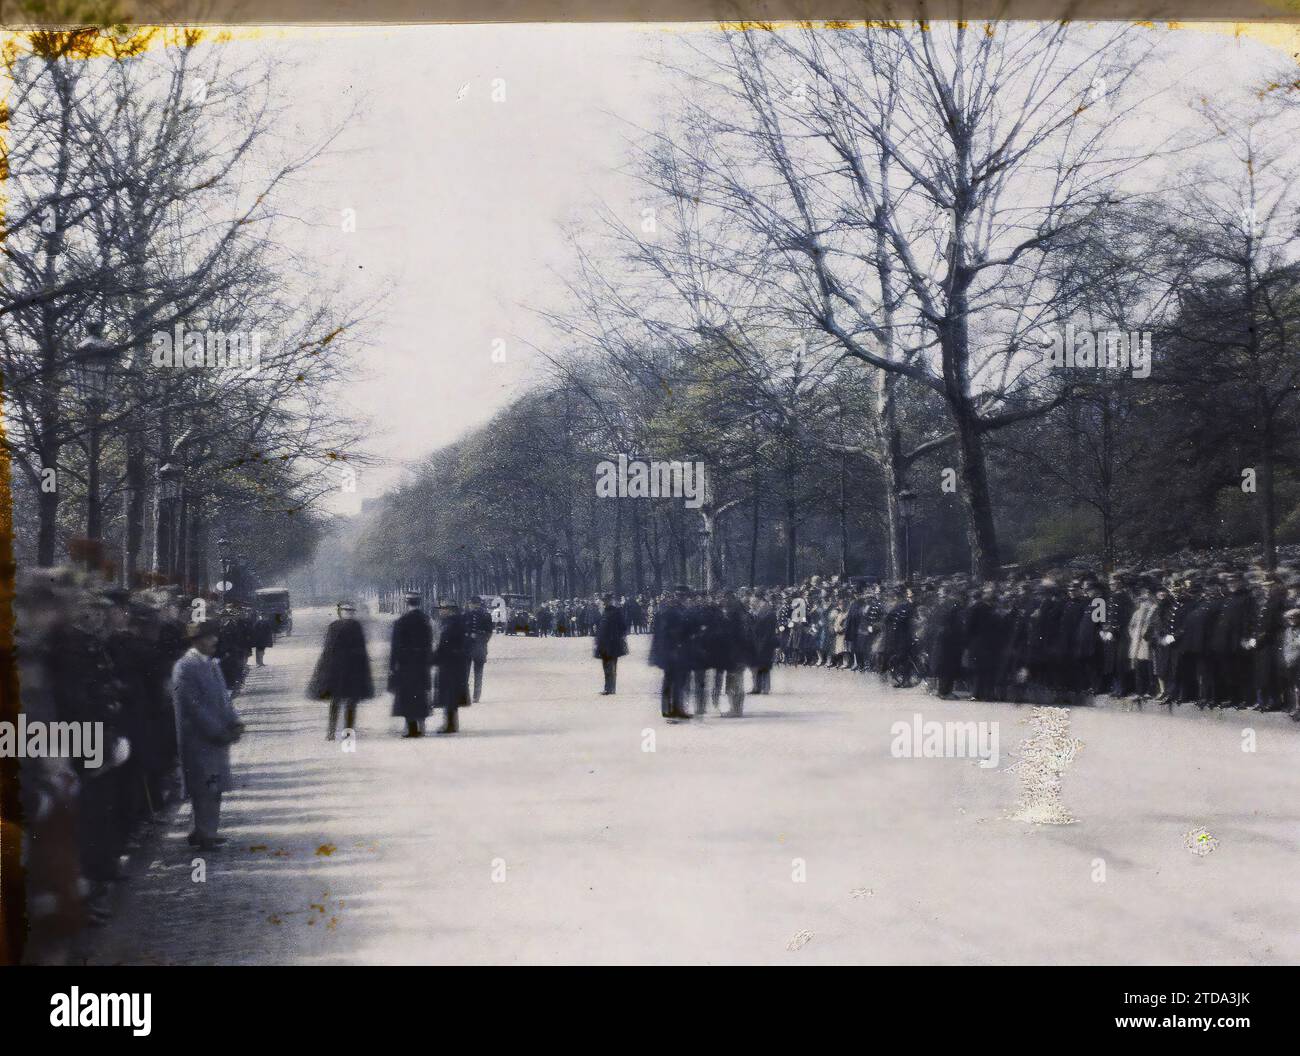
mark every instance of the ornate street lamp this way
{"type": "Point", "coordinates": [94, 365]}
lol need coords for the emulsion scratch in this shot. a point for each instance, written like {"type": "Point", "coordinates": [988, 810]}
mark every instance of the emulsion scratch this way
{"type": "Point", "coordinates": [1044, 756]}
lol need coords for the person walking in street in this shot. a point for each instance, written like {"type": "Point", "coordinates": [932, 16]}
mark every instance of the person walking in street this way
{"type": "Point", "coordinates": [410, 658]}
{"type": "Point", "coordinates": [342, 674]}
{"type": "Point", "coordinates": [452, 659]}
{"type": "Point", "coordinates": [763, 642]}
{"type": "Point", "coordinates": [611, 643]}
{"type": "Point", "coordinates": [668, 652]}
{"type": "Point", "coordinates": [263, 637]}
{"type": "Point", "coordinates": [207, 725]}
{"type": "Point", "coordinates": [478, 629]}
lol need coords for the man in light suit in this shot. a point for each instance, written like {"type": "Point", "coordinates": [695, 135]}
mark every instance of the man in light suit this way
{"type": "Point", "coordinates": [206, 726]}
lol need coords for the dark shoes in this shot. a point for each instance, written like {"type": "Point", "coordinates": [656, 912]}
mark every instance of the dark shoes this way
{"type": "Point", "coordinates": [202, 844]}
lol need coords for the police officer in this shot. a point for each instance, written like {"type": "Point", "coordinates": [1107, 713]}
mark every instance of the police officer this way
{"type": "Point", "coordinates": [478, 629]}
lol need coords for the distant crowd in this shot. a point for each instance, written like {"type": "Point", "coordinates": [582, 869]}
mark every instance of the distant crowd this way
{"type": "Point", "coordinates": [1222, 634]}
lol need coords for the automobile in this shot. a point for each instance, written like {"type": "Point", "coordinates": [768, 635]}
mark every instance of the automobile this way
{"type": "Point", "coordinates": [512, 613]}
{"type": "Point", "coordinates": [274, 602]}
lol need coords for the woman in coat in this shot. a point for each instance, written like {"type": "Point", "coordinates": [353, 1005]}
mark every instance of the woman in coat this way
{"type": "Point", "coordinates": [342, 674]}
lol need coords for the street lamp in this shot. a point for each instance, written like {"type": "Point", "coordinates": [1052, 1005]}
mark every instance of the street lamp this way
{"type": "Point", "coordinates": [95, 361]}
{"type": "Point", "coordinates": [706, 566]}
{"type": "Point", "coordinates": [171, 479]}
{"type": "Point", "coordinates": [223, 552]}
{"type": "Point", "coordinates": [907, 506]}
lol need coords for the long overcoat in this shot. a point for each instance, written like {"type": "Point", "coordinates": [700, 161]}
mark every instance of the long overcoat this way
{"type": "Point", "coordinates": [343, 669]}
{"type": "Point", "coordinates": [410, 660]}
{"type": "Point", "coordinates": [206, 722]}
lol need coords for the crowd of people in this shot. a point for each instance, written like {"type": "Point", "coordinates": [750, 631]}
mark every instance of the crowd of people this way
{"type": "Point", "coordinates": [106, 656]}
{"type": "Point", "coordinates": [1219, 634]}
{"type": "Point", "coordinates": [157, 677]}
{"type": "Point", "coordinates": [579, 617]}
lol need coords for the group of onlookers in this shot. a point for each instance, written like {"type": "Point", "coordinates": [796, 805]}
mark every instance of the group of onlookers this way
{"type": "Point", "coordinates": [1218, 635]}
{"type": "Point", "coordinates": [579, 617]}
{"type": "Point", "coordinates": [108, 657]}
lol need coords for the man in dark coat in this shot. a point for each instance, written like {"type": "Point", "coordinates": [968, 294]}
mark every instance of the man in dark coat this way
{"type": "Point", "coordinates": [1117, 667]}
{"type": "Point", "coordinates": [1231, 640]}
{"type": "Point", "coordinates": [611, 643]}
{"type": "Point", "coordinates": [452, 659]}
{"type": "Point", "coordinates": [1041, 639]}
{"type": "Point", "coordinates": [1196, 672]}
{"type": "Point", "coordinates": [263, 637]}
{"type": "Point", "coordinates": [898, 645]}
{"type": "Point", "coordinates": [983, 632]}
{"type": "Point", "coordinates": [946, 640]}
{"type": "Point", "coordinates": [870, 630]}
{"type": "Point", "coordinates": [736, 636]}
{"type": "Point", "coordinates": [762, 642]}
{"type": "Point", "coordinates": [409, 660]}
{"type": "Point", "coordinates": [705, 641]}
{"type": "Point", "coordinates": [668, 652]}
{"type": "Point", "coordinates": [478, 629]}
{"type": "Point", "coordinates": [342, 674]}
{"type": "Point", "coordinates": [1270, 693]}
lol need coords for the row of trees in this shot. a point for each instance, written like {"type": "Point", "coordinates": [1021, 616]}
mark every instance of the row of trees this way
{"type": "Point", "coordinates": [850, 252]}
{"type": "Point", "coordinates": [145, 195]}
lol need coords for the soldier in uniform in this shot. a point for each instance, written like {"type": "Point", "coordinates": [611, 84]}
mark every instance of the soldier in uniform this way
{"type": "Point", "coordinates": [478, 629]}
{"type": "Point", "coordinates": [409, 660]}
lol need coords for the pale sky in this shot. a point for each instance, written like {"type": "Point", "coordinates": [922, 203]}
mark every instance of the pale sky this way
{"type": "Point", "coordinates": [457, 197]}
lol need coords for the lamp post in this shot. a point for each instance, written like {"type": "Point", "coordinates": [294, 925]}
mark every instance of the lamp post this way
{"type": "Point", "coordinates": [223, 552]}
{"type": "Point", "coordinates": [907, 506]}
{"type": "Point", "coordinates": [706, 566]}
{"type": "Point", "coordinates": [96, 359]}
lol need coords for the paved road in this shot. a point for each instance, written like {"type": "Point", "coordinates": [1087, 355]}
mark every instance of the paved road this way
{"type": "Point", "coordinates": [545, 832]}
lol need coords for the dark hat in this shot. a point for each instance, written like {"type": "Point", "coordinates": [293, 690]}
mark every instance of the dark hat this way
{"type": "Point", "coordinates": [413, 597]}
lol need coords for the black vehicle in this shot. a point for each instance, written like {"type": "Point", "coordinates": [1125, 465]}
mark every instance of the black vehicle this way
{"type": "Point", "coordinates": [274, 602]}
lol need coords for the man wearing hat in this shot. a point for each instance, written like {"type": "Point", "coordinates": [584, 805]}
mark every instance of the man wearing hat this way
{"type": "Point", "coordinates": [478, 629]}
{"type": "Point", "coordinates": [668, 652]}
{"type": "Point", "coordinates": [763, 645]}
{"type": "Point", "coordinates": [452, 658]}
{"type": "Point", "coordinates": [342, 674]}
{"type": "Point", "coordinates": [409, 659]}
{"type": "Point", "coordinates": [207, 725]}
{"type": "Point", "coordinates": [611, 643]}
